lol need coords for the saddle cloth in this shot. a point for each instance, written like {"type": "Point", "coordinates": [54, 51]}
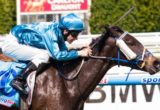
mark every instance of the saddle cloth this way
{"type": "Point", "coordinates": [8, 71]}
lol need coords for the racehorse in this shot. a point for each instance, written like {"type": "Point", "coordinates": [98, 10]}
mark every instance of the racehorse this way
{"type": "Point", "coordinates": [66, 85]}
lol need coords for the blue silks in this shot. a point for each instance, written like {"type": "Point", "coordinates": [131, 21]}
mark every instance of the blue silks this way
{"type": "Point", "coordinates": [8, 71]}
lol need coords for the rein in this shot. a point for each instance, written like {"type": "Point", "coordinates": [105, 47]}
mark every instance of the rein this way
{"type": "Point", "coordinates": [115, 59]}
{"type": "Point", "coordinates": [132, 62]}
{"type": "Point", "coordinates": [74, 76]}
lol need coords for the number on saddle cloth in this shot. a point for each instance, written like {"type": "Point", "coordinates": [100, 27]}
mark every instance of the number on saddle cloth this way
{"type": "Point", "coordinates": [8, 71]}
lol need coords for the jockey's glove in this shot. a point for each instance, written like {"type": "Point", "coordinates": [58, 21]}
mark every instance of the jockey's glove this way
{"type": "Point", "coordinates": [85, 52]}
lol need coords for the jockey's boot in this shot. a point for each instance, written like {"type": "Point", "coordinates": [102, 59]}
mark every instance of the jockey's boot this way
{"type": "Point", "coordinates": [20, 81]}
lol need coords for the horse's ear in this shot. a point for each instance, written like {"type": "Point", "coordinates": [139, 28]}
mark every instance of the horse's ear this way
{"type": "Point", "coordinates": [105, 27]}
{"type": "Point", "coordinates": [116, 28]}
{"type": "Point", "coordinates": [94, 40]}
{"type": "Point", "coordinates": [106, 30]}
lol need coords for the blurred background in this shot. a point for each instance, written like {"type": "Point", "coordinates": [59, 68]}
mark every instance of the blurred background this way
{"type": "Point", "coordinates": [143, 22]}
{"type": "Point", "coordinates": [96, 13]}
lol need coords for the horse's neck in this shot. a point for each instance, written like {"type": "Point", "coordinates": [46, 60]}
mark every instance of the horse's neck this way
{"type": "Point", "coordinates": [89, 76]}
{"type": "Point", "coordinates": [92, 72]}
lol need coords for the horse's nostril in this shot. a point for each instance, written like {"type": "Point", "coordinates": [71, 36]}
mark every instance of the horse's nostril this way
{"type": "Point", "coordinates": [158, 65]}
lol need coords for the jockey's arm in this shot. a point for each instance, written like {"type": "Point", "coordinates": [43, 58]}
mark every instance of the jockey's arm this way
{"type": "Point", "coordinates": [58, 49]}
{"type": "Point", "coordinates": [64, 54]}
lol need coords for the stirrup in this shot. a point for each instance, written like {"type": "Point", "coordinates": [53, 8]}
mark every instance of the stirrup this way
{"type": "Point", "coordinates": [19, 87]}
{"type": "Point", "coordinates": [19, 78]}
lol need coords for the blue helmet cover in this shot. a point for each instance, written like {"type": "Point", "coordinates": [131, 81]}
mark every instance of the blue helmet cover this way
{"type": "Point", "coordinates": [72, 22]}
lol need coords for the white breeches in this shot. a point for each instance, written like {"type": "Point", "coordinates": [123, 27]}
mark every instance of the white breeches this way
{"type": "Point", "coordinates": [13, 49]}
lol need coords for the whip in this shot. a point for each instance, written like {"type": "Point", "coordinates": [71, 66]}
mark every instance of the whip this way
{"type": "Point", "coordinates": [124, 15]}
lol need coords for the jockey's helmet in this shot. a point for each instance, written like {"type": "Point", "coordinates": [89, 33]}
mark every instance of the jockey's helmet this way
{"type": "Point", "coordinates": [71, 22]}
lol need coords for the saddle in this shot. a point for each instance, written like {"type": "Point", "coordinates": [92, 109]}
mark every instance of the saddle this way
{"type": "Point", "coordinates": [9, 97]}
{"type": "Point", "coordinates": [9, 69]}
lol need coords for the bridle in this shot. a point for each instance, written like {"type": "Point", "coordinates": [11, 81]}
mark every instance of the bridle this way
{"type": "Point", "coordinates": [138, 61]}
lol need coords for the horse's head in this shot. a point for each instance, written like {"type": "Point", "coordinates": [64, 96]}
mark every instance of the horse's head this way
{"type": "Point", "coordinates": [126, 50]}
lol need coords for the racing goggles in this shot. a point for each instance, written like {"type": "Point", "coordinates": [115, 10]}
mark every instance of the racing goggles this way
{"type": "Point", "coordinates": [74, 33]}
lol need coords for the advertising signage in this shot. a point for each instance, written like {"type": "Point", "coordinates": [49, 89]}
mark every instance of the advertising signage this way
{"type": "Point", "coordinates": [58, 6]}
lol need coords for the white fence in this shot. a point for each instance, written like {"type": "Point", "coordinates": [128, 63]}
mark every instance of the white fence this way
{"type": "Point", "coordinates": [136, 92]}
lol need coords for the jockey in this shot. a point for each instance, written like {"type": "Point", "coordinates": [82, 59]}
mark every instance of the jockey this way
{"type": "Point", "coordinates": [38, 42]}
